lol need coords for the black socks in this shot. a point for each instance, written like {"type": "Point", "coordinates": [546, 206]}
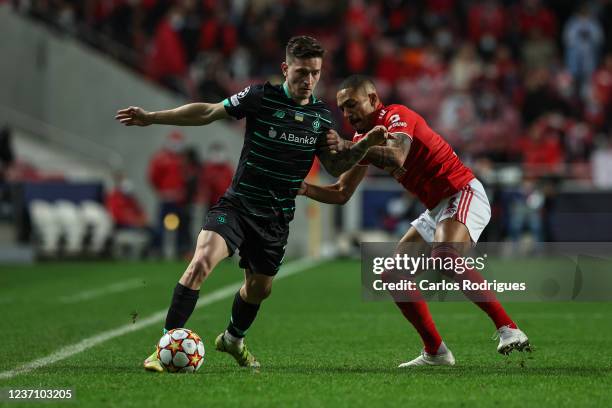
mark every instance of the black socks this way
{"type": "Point", "coordinates": [243, 315]}
{"type": "Point", "coordinates": [183, 303]}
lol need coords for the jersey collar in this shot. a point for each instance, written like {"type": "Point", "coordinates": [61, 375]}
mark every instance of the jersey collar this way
{"type": "Point", "coordinates": [288, 95]}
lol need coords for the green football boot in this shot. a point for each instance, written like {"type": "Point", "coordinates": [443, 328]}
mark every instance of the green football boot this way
{"type": "Point", "coordinates": [153, 364]}
{"type": "Point", "coordinates": [241, 353]}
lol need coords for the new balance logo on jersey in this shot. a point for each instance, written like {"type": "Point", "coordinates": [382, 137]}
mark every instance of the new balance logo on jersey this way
{"type": "Point", "coordinates": [279, 114]}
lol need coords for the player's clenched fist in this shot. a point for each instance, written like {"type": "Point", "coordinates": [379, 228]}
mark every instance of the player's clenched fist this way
{"type": "Point", "coordinates": [377, 135]}
{"type": "Point", "coordinates": [134, 116]}
{"type": "Point", "coordinates": [334, 143]}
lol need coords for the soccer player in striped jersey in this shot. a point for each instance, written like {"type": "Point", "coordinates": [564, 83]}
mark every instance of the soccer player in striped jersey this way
{"type": "Point", "coordinates": [457, 206]}
{"type": "Point", "coordinates": [286, 126]}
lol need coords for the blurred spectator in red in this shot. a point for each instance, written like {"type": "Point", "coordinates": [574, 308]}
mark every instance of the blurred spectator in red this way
{"type": "Point", "coordinates": [532, 14]}
{"type": "Point", "coordinates": [354, 55]}
{"type": "Point", "coordinates": [359, 18]}
{"type": "Point", "coordinates": [218, 32]}
{"type": "Point", "coordinates": [166, 170]}
{"type": "Point", "coordinates": [216, 174]}
{"type": "Point", "coordinates": [123, 206]}
{"type": "Point", "coordinates": [441, 8]}
{"type": "Point", "coordinates": [387, 68]}
{"type": "Point", "coordinates": [167, 61]}
{"type": "Point", "coordinates": [541, 150]}
{"type": "Point", "coordinates": [397, 15]}
{"type": "Point", "coordinates": [487, 23]}
{"type": "Point", "coordinates": [166, 175]}
{"type": "Point", "coordinates": [132, 233]}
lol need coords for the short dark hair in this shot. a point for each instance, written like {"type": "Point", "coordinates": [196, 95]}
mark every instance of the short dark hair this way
{"type": "Point", "coordinates": [356, 82]}
{"type": "Point", "coordinates": [304, 47]}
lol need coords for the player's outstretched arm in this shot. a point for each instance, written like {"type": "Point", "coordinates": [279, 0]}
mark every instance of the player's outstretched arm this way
{"type": "Point", "coordinates": [339, 192]}
{"type": "Point", "coordinates": [193, 114]}
{"type": "Point", "coordinates": [340, 155]}
{"type": "Point", "coordinates": [392, 156]}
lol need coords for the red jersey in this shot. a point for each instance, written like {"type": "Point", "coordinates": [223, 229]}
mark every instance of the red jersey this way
{"type": "Point", "coordinates": [432, 169]}
{"type": "Point", "coordinates": [166, 175]}
{"type": "Point", "coordinates": [125, 209]}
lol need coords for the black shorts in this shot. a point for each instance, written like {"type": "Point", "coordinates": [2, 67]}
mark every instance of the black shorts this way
{"type": "Point", "coordinates": [260, 241]}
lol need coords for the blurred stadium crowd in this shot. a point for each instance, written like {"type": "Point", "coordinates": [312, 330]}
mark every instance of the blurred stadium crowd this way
{"type": "Point", "coordinates": [522, 89]}
{"type": "Point", "coordinates": [505, 80]}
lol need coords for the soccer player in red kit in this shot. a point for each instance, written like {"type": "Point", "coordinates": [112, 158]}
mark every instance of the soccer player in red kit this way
{"type": "Point", "coordinates": [457, 206]}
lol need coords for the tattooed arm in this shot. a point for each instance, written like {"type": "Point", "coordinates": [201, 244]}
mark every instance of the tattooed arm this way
{"type": "Point", "coordinates": [392, 156]}
{"type": "Point", "coordinates": [340, 155]}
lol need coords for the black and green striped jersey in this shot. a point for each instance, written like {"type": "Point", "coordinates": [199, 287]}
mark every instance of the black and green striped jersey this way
{"type": "Point", "coordinates": [280, 144]}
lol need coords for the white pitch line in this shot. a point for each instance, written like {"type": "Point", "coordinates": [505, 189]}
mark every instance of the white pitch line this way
{"type": "Point", "coordinates": [214, 296]}
{"type": "Point", "coordinates": [103, 291]}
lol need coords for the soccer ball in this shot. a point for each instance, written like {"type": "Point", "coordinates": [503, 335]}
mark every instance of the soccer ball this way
{"type": "Point", "coordinates": [181, 350]}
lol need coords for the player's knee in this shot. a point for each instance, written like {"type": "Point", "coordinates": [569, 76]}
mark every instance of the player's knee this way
{"type": "Point", "coordinates": [262, 292]}
{"type": "Point", "coordinates": [266, 292]}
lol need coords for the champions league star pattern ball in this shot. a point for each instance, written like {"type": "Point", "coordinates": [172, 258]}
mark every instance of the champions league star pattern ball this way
{"type": "Point", "coordinates": [181, 350]}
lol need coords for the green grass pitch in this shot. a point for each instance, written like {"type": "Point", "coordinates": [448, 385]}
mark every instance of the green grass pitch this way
{"type": "Point", "coordinates": [318, 342]}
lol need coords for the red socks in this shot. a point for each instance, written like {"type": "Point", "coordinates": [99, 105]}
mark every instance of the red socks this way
{"type": "Point", "coordinates": [484, 299]}
{"type": "Point", "coordinates": [415, 310]}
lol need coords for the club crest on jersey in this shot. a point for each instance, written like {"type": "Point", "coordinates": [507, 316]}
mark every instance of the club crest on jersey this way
{"type": "Point", "coordinates": [272, 132]}
{"type": "Point", "coordinates": [221, 219]}
{"type": "Point", "coordinates": [279, 114]}
{"type": "Point", "coordinates": [299, 116]}
{"type": "Point", "coordinates": [316, 124]}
